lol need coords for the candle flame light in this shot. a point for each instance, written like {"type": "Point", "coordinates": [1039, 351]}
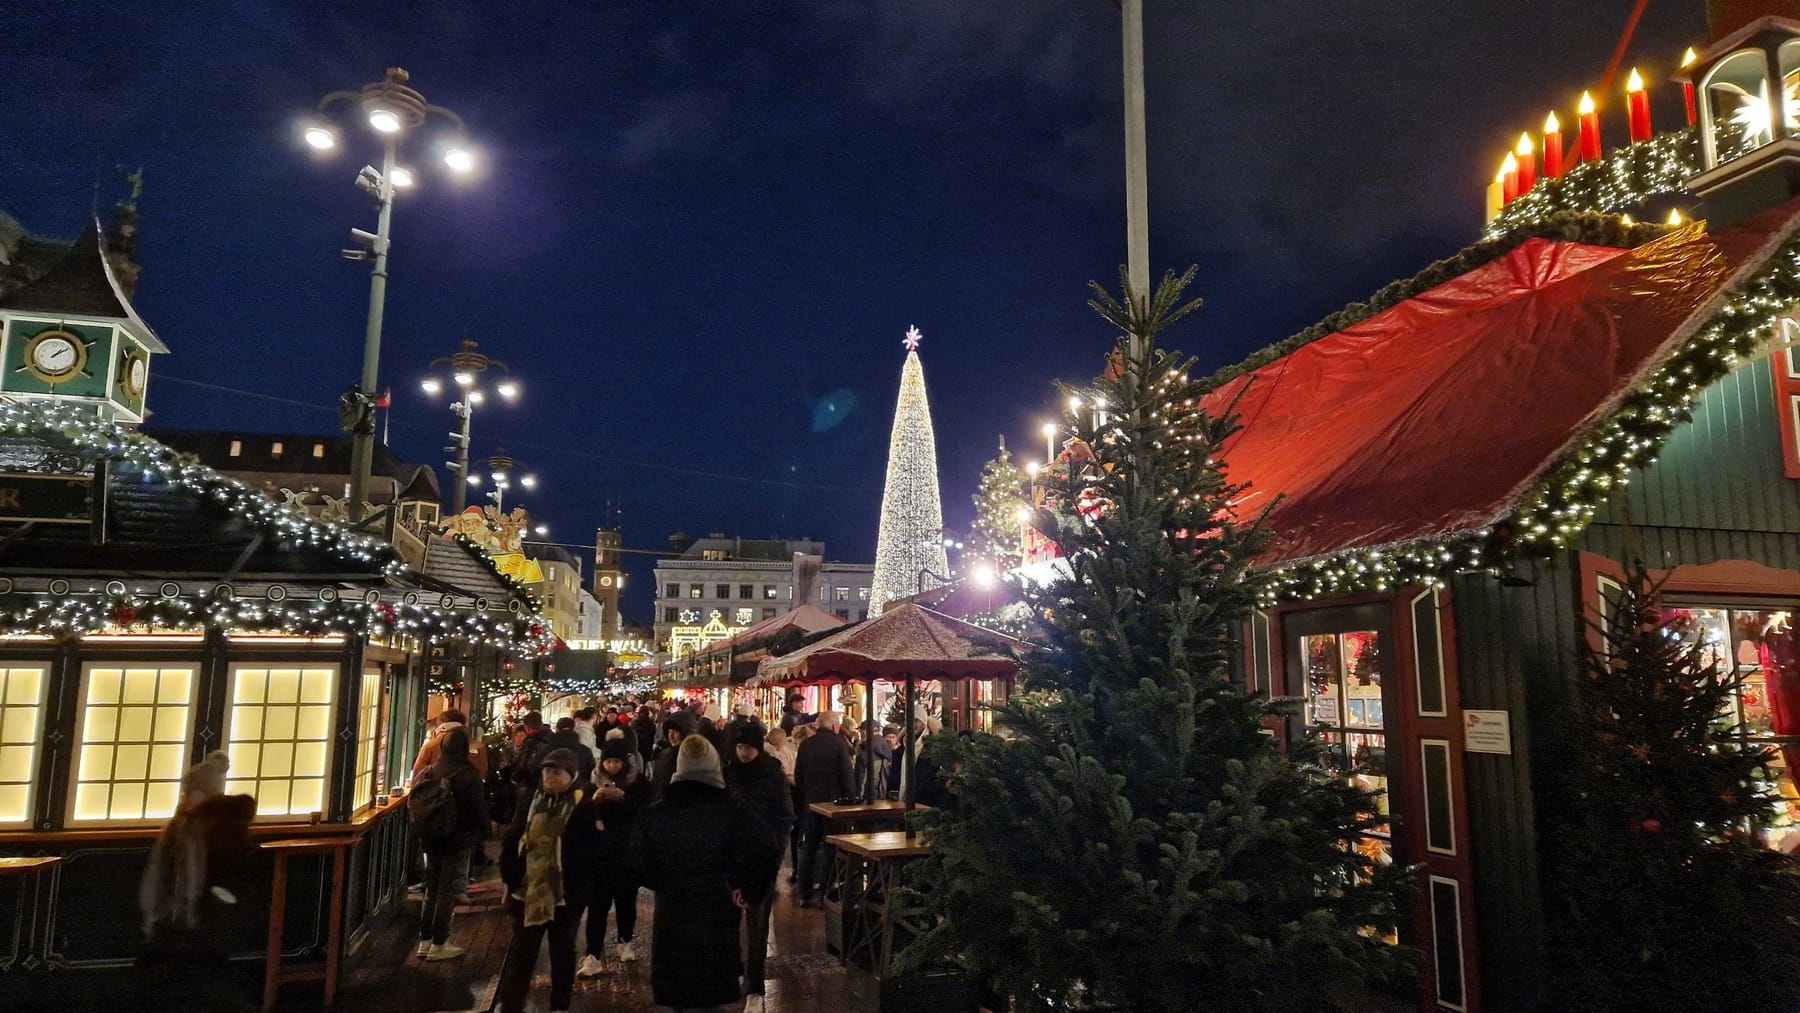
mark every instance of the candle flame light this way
{"type": "Point", "coordinates": [1637, 107]}
{"type": "Point", "coordinates": [1634, 83]}
{"type": "Point", "coordinates": [1551, 124]}
{"type": "Point", "coordinates": [1688, 58]}
{"type": "Point", "coordinates": [1687, 87]}
{"type": "Point", "coordinates": [1553, 146]}
{"type": "Point", "coordinates": [1524, 147]}
{"type": "Point", "coordinates": [1586, 106]}
{"type": "Point", "coordinates": [1675, 217]}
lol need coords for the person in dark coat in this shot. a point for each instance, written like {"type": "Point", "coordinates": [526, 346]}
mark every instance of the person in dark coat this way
{"type": "Point", "coordinates": [676, 727]}
{"type": "Point", "coordinates": [793, 712]}
{"type": "Point", "coordinates": [621, 794]}
{"type": "Point", "coordinates": [566, 737]}
{"type": "Point", "coordinates": [757, 779]}
{"type": "Point", "coordinates": [528, 758]}
{"type": "Point", "coordinates": [707, 856]}
{"type": "Point", "coordinates": [644, 727]}
{"type": "Point", "coordinates": [884, 762]}
{"type": "Point", "coordinates": [823, 772]}
{"type": "Point", "coordinates": [446, 857]}
{"type": "Point", "coordinates": [549, 860]}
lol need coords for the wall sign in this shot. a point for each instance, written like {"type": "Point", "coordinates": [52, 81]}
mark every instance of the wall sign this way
{"type": "Point", "coordinates": [1487, 732]}
{"type": "Point", "coordinates": [47, 499]}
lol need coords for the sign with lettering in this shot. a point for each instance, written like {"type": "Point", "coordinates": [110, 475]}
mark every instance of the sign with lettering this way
{"type": "Point", "coordinates": [1487, 732]}
{"type": "Point", "coordinates": [47, 499]}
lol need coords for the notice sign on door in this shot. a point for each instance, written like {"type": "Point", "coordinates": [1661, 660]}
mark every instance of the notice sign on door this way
{"type": "Point", "coordinates": [1487, 732]}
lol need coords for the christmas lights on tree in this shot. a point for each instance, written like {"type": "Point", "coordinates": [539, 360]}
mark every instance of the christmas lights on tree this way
{"type": "Point", "coordinates": [998, 534]}
{"type": "Point", "coordinates": [909, 551]}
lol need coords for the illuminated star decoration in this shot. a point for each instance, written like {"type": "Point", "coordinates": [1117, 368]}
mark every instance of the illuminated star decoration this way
{"type": "Point", "coordinates": [912, 339]}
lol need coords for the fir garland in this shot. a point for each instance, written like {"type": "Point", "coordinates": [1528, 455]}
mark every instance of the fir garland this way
{"type": "Point", "coordinates": [1616, 183]}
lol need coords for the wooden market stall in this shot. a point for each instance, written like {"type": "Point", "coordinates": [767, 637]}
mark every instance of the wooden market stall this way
{"type": "Point", "coordinates": [728, 664]}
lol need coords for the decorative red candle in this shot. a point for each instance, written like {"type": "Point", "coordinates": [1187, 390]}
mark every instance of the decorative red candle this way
{"type": "Point", "coordinates": [1509, 178]}
{"type": "Point", "coordinates": [1527, 163]}
{"type": "Point", "coordinates": [1637, 103]}
{"type": "Point", "coordinates": [1553, 160]}
{"type": "Point", "coordinates": [1687, 87]}
{"type": "Point", "coordinates": [1589, 138]}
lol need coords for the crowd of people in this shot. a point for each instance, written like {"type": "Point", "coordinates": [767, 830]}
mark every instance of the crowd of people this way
{"type": "Point", "coordinates": [699, 809]}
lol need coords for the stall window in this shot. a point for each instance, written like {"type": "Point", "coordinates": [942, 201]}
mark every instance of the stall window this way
{"type": "Point", "coordinates": [280, 737]}
{"type": "Point", "coordinates": [1760, 645]}
{"type": "Point", "coordinates": [21, 711]}
{"type": "Point", "coordinates": [368, 735]}
{"type": "Point", "coordinates": [134, 736]}
{"type": "Point", "coordinates": [1344, 678]}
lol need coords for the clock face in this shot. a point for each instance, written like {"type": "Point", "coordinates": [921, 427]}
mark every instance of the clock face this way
{"type": "Point", "coordinates": [135, 375]}
{"type": "Point", "coordinates": [605, 581]}
{"type": "Point", "coordinates": [55, 356]}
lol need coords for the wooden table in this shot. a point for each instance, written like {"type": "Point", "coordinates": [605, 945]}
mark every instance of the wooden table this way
{"type": "Point", "coordinates": [877, 920]}
{"type": "Point", "coordinates": [861, 812]}
{"type": "Point", "coordinates": [33, 897]}
{"type": "Point", "coordinates": [338, 848]}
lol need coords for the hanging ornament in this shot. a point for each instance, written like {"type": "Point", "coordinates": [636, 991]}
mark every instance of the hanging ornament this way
{"type": "Point", "coordinates": [1651, 826]}
{"type": "Point", "coordinates": [124, 615]}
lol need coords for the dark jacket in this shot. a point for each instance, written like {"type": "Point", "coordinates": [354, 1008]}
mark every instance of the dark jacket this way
{"type": "Point", "coordinates": [471, 806]}
{"type": "Point", "coordinates": [763, 786]}
{"type": "Point", "coordinates": [791, 720]}
{"type": "Point", "coordinates": [580, 850]}
{"type": "Point", "coordinates": [693, 847]}
{"type": "Point", "coordinates": [619, 818]}
{"type": "Point", "coordinates": [530, 757]}
{"type": "Point", "coordinates": [571, 740]}
{"type": "Point", "coordinates": [886, 768]}
{"type": "Point", "coordinates": [822, 768]}
{"type": "Point", "coordinates": [663, 771]}
{"type": "Point", "coordinates": [645, 730]}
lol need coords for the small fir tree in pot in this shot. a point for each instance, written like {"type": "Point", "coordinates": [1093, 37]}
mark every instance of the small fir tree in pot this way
{"type": "Point", "coordinates": [1654, 878]}
{"type": "Point", "coordinates": [1133, 837]}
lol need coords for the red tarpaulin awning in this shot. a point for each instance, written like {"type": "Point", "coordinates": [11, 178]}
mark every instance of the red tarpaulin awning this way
{"type": "Point", "coordinates": [1435, 416]}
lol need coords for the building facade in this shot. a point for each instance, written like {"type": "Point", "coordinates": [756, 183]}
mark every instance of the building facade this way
{"type": "Point", "coordinates": [559, 593]}
{"type": "Point", "coordinates": [714, 587]}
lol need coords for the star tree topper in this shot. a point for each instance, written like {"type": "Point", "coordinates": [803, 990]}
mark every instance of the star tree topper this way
{"type": "Point", "coordinates": [912, 339]}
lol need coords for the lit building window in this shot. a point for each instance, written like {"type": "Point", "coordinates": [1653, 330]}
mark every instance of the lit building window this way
{"type": "Point", "coordinates": [134, 736]}
{"type": "Point", "coordinates": [368, 732]}
{"type": "Point", "coordinates": [843, 594]}
{"type": "Point", "coordinates": [318, 450]}
{"type": "Point", "coordinates": [862, 594]}
{"type": "Point", "coordinates": [275, 449]}
{"type": "Point", "coordinates": [280, 735]}
{"type": "Point", "coordinates": [696, 591]}
{"type": "Point", "coordinates": [237, 448]}
{"type": "Point", "coordinates": [21, 708]}
{"type": "Point", "coordinates": [769, 591]}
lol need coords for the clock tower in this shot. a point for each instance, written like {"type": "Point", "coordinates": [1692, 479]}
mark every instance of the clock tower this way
{"type": "Point", "coordinates": [609, 580]}
{"type": "Point", "coordinates": [68, 333]}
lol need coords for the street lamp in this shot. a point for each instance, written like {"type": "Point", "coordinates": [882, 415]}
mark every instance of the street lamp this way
{"type": "Point", "coordinates": [502, 477]}
{"type": "Point", "coordinates": [391, 109]}
{"type": "Point", "coordinates": [465, 370]}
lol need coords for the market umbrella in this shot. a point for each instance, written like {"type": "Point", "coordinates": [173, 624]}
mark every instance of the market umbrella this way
{"type": "Point", "coordinates": [908, 642]}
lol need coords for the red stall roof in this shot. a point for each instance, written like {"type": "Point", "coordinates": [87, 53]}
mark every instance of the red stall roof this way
{"type": "Point", "coordinates": [1435, 416]}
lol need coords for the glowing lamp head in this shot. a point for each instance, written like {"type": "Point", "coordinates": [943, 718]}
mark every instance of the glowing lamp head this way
{"type": "Point", "coordinates": [402, 177]}
{"type": "Point", "coordinates": [459, 159]}
{"type": "Point", "coordinates": [475, 480]}
{"type": "Point", "coordinates": [1552, 125]}
{"type": "Point", "coordinates": [1032, 469]}
{"type": "Point", "coordinates": [1074, 405]}
{"type": "Point", "coordinates": [1524, 147]}
{"type": "Point", "coordinates": [508, 390]}
{"type": "Point", "coordinates": [529, 481]}
{"type": "Point", "coordinates": [384, 120]}
{"type": "Point", "coordinates": [464, 379]}
{"type": "Point", "coordinates": [1586, 106]}
{"type": "Point", "coordinates": [430, 386]}
{"type": "Point", "coordinates": [1675, 216]}
{"type": "Point", "coordinates": [1688, 58]}
{"type": "Point", "coordinates": [542, 530]}
{"type": "Point", "coordinates": [476, 397]}
{"type": "Point", "coordinates": [983, 576]}
{"type": "Point", "coordinates": [1634, 83]}
{"type": "Point", "coordinates": [320, 137]}
{"type": "Point", "coordinates": [1050, 430]}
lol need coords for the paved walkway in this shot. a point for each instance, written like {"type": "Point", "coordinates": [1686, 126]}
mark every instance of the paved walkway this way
{"type": "Point", "coordinates": [384, 974]}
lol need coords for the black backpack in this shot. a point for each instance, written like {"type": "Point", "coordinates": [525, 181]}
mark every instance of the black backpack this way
{"type": "Point", "coordinates": [431, 809]}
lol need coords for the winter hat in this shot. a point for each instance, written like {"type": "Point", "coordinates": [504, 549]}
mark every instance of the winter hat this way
{"type": "Point", "coordinates": [564, 759]}
{"type": "Point", "coordinates": [208, 776]}
{"type": "Point", "coordinates": [744, 710]}
{"type": "Point", "coordinates": [751, 735]}
{"type": "Point", "coordinates": [615, 748]}
{"type": "Point", "coordinates": [681, 721]}
{"type": "Point", "coordinates": [697, 761]}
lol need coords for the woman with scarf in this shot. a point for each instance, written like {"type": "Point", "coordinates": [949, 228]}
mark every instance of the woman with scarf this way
{"type": "Point", "coordinates": [548, 860]}
{"type": "Point", "coordinates": [621, 793]}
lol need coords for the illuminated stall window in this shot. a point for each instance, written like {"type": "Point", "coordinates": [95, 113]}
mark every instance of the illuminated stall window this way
{"type": "Point", "coordinates": [368, 735]}
{"type": "Point", "coordinates": [280, 737]}
{"type": "Point", "coordinates": [1344, 677]}
{"type": "Point", "coordinates": [21, 715]}
{"type": "Point", "coordinates": [134, 736]}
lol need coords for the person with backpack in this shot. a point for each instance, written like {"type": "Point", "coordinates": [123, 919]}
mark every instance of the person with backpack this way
{"type": "Point", "coordinates": [447, 810]}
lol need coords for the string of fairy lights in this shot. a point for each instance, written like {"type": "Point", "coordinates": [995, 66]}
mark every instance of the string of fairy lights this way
{"type": "Point", "coordinates": [68, 608]}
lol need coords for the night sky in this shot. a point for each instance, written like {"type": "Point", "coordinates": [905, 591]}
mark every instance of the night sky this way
{"type": "Point", "coordinates": [701, 229]}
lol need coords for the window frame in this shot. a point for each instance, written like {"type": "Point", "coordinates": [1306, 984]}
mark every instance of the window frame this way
{"type": "Point", "coordinates": [1785, 367]}
{"type": "Point", "coordinates": [33, 744]}
{"type": "Point", "coordinates": [84, 705]}
{"type": "Point", "coordinates": [334, 667]}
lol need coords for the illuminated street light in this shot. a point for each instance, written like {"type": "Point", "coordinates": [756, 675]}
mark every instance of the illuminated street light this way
{"type": "Point", "coordinates": [392, 109]}
{"type": "Point", "coordinates": [983, 576]}
{"type": "Point", "coordinates": [466, 369]}
{"type": "Point", "coordinates": [459, 159]}
{"type": "Point", "coordinates": [430, 386]}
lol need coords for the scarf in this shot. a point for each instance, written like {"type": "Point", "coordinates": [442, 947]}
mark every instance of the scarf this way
{"type": "Point", "coordinates": [541, 847]}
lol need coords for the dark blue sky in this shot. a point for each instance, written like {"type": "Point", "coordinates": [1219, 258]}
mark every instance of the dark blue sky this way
{"type": "Point", "coordinates": [696, 222]}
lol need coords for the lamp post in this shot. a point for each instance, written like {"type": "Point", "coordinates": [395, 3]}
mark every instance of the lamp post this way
{"type": "Point", "coordinates": [466, 370]}
{"type": "Point", "coordinates": [392, 110]}
{"type": "Point", "coordinates": [500, 475]}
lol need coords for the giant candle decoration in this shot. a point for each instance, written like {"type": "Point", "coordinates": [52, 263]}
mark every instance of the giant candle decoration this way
{"type": "Point", "coordinates": [1687, 87]}
{"type": "Point", "coordinates": [1496, 196]}
{"type": "Point", "coordinates": [1553, 159]}
{"type": "Point", "coordinates": [1509, 178]}
{"type": "Point", "coordinates": [1589, 141]}
{"type": "Point", "coordinates": [1637, 105]}
{"type": "Point", "coordinates": [1527, 163]}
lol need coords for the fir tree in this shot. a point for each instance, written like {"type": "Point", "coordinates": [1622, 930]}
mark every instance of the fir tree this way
{"type": "Point", "coordinates": [1133, 837]}
{"type": "Point", "coordinates": [998, 500]}
{"type": "Point", "coordinates": [1656, 883]}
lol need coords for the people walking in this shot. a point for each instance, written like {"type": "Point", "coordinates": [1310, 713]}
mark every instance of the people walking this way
{"type": "Point", "coordinates": [823, 772]}
{"type": "Point", "coordinates": [567, 737]}
{"type": "Point", "coordinates": [676, 729]}
{"type": "Point", "coordinates": [621, 794]}
{"type": "Point", "coordinates": [644, 728]}
{"type": "Point", "coordinates": [548, 860]}
{"type": "Point", "coordinates": [757, 779]}
{"type": "Point", "coordinates": [534, 743]}
{"type": "Point", "coordinates": [707, 856]}
{"type": "Point", "coordinates": [448, 811]}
